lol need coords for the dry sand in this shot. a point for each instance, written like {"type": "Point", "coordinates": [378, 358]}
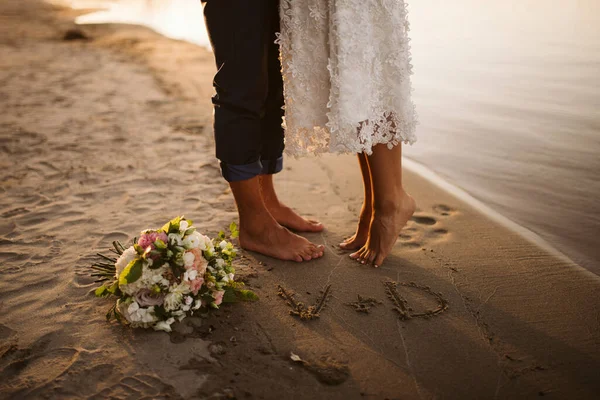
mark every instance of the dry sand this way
{"type": "Point", "coordinates": [102, 138]}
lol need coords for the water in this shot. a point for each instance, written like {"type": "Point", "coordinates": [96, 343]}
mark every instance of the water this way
{"type": "Point", "coordinates": [508, 94]}
{"type": "Point", "coordinates": [509, 98]}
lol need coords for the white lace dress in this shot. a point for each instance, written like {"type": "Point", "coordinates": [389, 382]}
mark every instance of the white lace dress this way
{"type": "Point", "coordinates": [346, 66]}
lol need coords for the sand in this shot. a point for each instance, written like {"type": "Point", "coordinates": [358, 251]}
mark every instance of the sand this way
{"type": "Point", "coordinates": [103, 137]}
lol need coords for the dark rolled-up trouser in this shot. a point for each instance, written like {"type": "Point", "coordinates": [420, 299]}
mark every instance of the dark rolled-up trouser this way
{"type": "Point", "coordinates": [249, 87]}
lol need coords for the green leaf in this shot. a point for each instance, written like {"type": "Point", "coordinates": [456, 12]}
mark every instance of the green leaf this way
{"type": "Point", "coordinates": [229, 296]}
{"type": "Point", "coordinates": [158, 263]}
{"type": "Point", "coordinates": [234, 295]}
{"type": "Point", "coordinates": [233, 228]}
{"type": "Point", "coordinates": [101, 291]}
{"type": "Point", "coordinates": [159, 244]}
{"type": "Point", "coordinates": [112, 289]}
{"type": "Point", "coordinates": [172, 226]}
{"type": "Point", "coordinates": [161, 313]}
{"type": "Point", "coordinates": [132, 272]}
{"type": "Point", "coordinates": [247, 295]}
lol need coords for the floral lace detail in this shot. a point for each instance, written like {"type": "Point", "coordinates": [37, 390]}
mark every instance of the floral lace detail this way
{"type": "Point", "coordinates": [346, 66]}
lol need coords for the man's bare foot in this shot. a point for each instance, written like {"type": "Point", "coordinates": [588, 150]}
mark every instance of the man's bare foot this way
{"type": "Point", "coordinates": [385, 228]}
{"type": "Point", "coordinates": [288, 218]}
{"type": "Point", "coordinates": [284, 215]}
{"type": "Point", "coordinates": [275, 241]}
{"type": "Point", "coordinates": [361, 235]}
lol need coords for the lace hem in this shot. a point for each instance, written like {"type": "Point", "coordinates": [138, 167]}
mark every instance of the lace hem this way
{"type": "Point", "coordinates": [318, 140]}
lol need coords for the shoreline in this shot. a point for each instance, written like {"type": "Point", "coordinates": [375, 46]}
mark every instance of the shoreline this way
{"type": "Point", "coordinates": [112, 135]}
{"type": "Point", "coordinates": [427, 173]}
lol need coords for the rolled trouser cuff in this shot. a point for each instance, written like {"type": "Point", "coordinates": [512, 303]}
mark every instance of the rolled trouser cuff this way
{"type": "Point", "coordinates": [272, 166]}
{"type": "Point", "coordinates": [234, 173]}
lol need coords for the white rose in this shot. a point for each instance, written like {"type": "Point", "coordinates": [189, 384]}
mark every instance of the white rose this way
{"type": "Point", "coordinates": [183, 225]}
{"type": "Point", "coordinates": [133, 307]}
{"type": "Point", "coordinates": [196, 240]}
{"type": "Point", "coordinates": [190, 242]}
{"type": "Point", "coordinates": [188, 259]}
{"type": "Point", "coordinates": [146, 315]}
{"type": "Point", "coordinates": [190, 275]}
{"type": "Point", "coordinates": [124, 259]}
{"type": "Point", "coordinates": [179, 315]}
{"type": "Point", "coordinates": [164, 325]}
{"type": "Point", "coordinates": [172, 301]}
{"type": "Point", "coordinates": [220, 262]}
{"type": "Point", "coordinates": [223, 245]}
{"type": "Point", "coordinates": [123, 307]}
{"type": "Point", "coordinates": [175, 297]}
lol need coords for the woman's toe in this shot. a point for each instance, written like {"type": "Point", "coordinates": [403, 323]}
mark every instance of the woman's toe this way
{"type": "Point", "coordinates": [371, 257]}
{"type": "Point", "coordinates": [363, 255]}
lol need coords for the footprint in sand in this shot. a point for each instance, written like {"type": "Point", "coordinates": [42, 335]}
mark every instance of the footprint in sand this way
{"type": "Point", "coordinates": [424, 220]}
{"type": "Point", "coordinates": [32, 367]}
{"type": "Point", "coordinates": [424, 227]}
{"type": "Point", "coordinates": [443, 210]}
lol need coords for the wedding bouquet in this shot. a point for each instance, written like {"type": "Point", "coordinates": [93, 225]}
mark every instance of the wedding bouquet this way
{"type": "Point", "coordinates": [168, 274]}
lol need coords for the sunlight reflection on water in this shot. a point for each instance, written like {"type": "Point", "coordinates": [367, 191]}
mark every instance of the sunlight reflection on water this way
{"type": "Point", "coordinates": [178, 19]}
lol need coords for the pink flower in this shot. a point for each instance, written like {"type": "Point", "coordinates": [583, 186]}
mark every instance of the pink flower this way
{"type": "Point", "coordinates": [145, 297]}
{"type": "Point", "coordinates": [162, 236]}
{"type": "Point", "coordinates": [196, 284]}
{"type": "Point", "coordinates": [218, 295]}
{"type": "Point", "coordinates": [147, 239]}
{"type": "Point", "coordinates": [200, 262]}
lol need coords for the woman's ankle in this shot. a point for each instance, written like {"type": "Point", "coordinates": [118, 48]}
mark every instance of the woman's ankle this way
{"type": "Point", "coordinates": [392, 202]}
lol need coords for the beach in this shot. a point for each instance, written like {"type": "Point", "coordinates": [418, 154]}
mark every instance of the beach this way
{"type": "Point", "coordinates": [106, 130]}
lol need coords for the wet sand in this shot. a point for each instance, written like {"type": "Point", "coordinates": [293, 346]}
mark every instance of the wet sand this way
{"type": "Point", "coordinates": [104, 137]}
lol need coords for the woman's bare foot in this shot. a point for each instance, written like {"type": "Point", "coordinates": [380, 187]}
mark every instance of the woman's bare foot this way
{"type": "Point", "coordinates": [361, 235]}
{"type": "Point", "coordinates": [273, 240]}
{"type": "Point", "coordinates": [385, 228]}
{"type": "Point", "coordinates": [288, 218]}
